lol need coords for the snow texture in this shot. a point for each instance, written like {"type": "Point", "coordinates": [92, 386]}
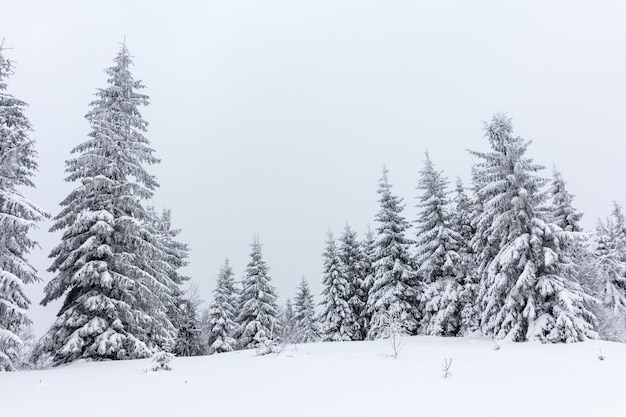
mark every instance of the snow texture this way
{"type": "Point", "coordinates": [330, 379]}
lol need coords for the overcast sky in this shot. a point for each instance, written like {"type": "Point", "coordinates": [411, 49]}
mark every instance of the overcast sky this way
{"type": "Point", "coordinates": [277, 117]}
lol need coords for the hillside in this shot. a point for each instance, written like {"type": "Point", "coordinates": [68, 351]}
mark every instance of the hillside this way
{"type": "Point", "coordinates": [339, 379]}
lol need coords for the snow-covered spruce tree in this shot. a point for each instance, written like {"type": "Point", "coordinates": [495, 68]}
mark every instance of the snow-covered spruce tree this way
{"type": "Point", "coordinates": [189, 341]}
{"type": "Point", "coordinates": [353, 271]}
{"type": "Point", "coordinates": [336, 314]}
{"type": "Point", "coordinates": [17, 216]}
{"type": "Point", "coordinates": [395, 291]}
{"type": "Point", "coordinates": [368, 246]}
{"type": "Point", "coordinates": [437, 256]}
{"type": "Point", "coordinates": [306, 328]}
{"type": "Point", "coordinates": [181, 307]}
{"type": "Point", "coordinates": [607, 280]}
{"type": "Point", "coordinates": [203, 323]}
{"type": "Point", "coordinates": [568, 218]}
{"type": "Point", "coordinates": [259, 319]}
{"type": "Point", "coordinates": [116, 297]}
{"type": "Point", "coordinates": [287, 321]}
{"type": "Point", "coordinates": [222, 313]}
{"type": "Point", "coordinates": [528, 289]}
{"type": "Point", "coordinates": [188, 332]}
{"type": "Point", "coordinates": [461, 217]}
{"type": "Point", "coordinates": [563, 213]}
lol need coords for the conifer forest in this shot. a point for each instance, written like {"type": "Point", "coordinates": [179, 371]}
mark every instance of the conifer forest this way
{"type": "Point", "coordinates": [312, 208]}
{"type": "Point", "coordinates": [503, 256]}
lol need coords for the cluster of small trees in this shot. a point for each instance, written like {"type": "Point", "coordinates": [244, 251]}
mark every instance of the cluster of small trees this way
{"type": "Point", "coordinates": [246, 316]}
{"type": "Point", "coordinates": [509, 262]}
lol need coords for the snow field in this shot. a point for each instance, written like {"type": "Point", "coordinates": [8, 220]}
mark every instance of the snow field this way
{"type": "Point", "coordinates": [338, 379]}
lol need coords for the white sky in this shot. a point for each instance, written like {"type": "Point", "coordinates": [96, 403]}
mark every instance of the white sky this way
{"type": "Point", "coordinates": [276, 117]}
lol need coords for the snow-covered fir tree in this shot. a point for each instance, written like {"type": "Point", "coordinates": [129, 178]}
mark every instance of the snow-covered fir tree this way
{"type": "Point", "coordinates": [608, 275]}
{"type": "Point", "coordinates": [171, 257]}
{"type": "Point", "coordinates": [368, 246]}
{"type": "Point", "coordinates": [563, 213]}
{"type": "Point", "coordinates": [437, 256]}
{"type": "Point", "coordinates": [259, 318]}
{"type": "Point", "coordinates": [222, 313]}
{"type": "Point", "coordinates": [17, 217]}
{"type": "Point", "coordinates": [353, 272]}
{"type": "Point", "coordinates": [336, 317]}
{"type": "Point", "coordinates": [462, 211]}
{"type": "Point", "coordinates": [306, 327]}
{"type": "Point", "coordinates": [528, 289]}
{"type": "Point", "coordinates": [116, 298]}
{"type": "Point", "coordinates": [461, 217]}
{"type": "Point", "coordinates": [287, 318]}
{"type": "Point", "coordinates": [395, 290]}
{"type": "Point", "coordinates": [205, 329]}
{"type": "Point", "coordinates": [187, 323]}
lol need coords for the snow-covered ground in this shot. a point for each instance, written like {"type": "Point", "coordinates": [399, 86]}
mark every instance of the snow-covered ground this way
{"type": "Point", "coordinates": [338, 379]}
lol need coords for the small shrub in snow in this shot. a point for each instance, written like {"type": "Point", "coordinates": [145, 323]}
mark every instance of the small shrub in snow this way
{"type": "Point", "coordinates": [393, 330]}
{"type": "Point", "coordinates": [600, 355]}
{"type": "Point", "coordinates": [162, 361]}
{"type": "Point", "coordinates": [269, 346]}
{"type": "Point", "coordinates": [447, 363]}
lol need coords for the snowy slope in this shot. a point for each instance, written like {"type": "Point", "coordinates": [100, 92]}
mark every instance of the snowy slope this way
{"type": "Point", "coordinates": [338, 379]}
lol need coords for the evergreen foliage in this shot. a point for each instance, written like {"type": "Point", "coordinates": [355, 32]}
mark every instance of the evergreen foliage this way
{"type": "Point", "coordinates": [606, 277]}
{"type": "Point", "coordinates": [171, 257]}
{"type": "Point", "coordinates": [395, 291]}
{"type": "Point", "coordinates": [222, 313]}
{"type": "Point", "coordinates": [528, 289]}
{"type": "Point", "coordinates": [162, 361]}
{"type": "Point", "coordinates": [353, 272]}
{"type": "Point", "coordinates": [336, 316]}
{"type": "Point", "coordinates": [564, 214]}
{"type": "Point", "coordinates": [205, 330]}
{"type": "Point", "coordinates": [368, 246]}
{"type": "Point", "coordinates": [110, 265]}
{"type": "Point", "coordinates": [437, 256]}
{"type": "Point", "coordinates": [462, 212]}
{"type": "Point", "coordinates": [187, 324]}
{"type": "Point", "coordinates": [306, 327]}
{"type": "Point", "coordinates": [17, 217]}
{"type": "Point", "coordinates": [287, 318]}
{"type": "Point", "coordinates": [259, 318]}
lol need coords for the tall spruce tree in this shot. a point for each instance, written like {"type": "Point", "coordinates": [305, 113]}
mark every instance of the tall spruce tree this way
{"type": "Point", "coordinates": [17, 217]}
{"type": "Point", "coordinates": [259, 318]}
{"type": "Point", "coordinates": [528, 289]}
{"type": "Point", "coordinates": [353, 271]}
{"type": "Point", "coordinates": [306, 326]}
{"type": "Point", "coordinates": [222, 313]}
{"type": "Point", "coordinates": [437, 256]}
{"type": "Point", "coordinates": [116, 297]}
{"type": "Point", "coordinates": [395, 292]}
{"type": "Point", "coordinates": [336, 317]}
